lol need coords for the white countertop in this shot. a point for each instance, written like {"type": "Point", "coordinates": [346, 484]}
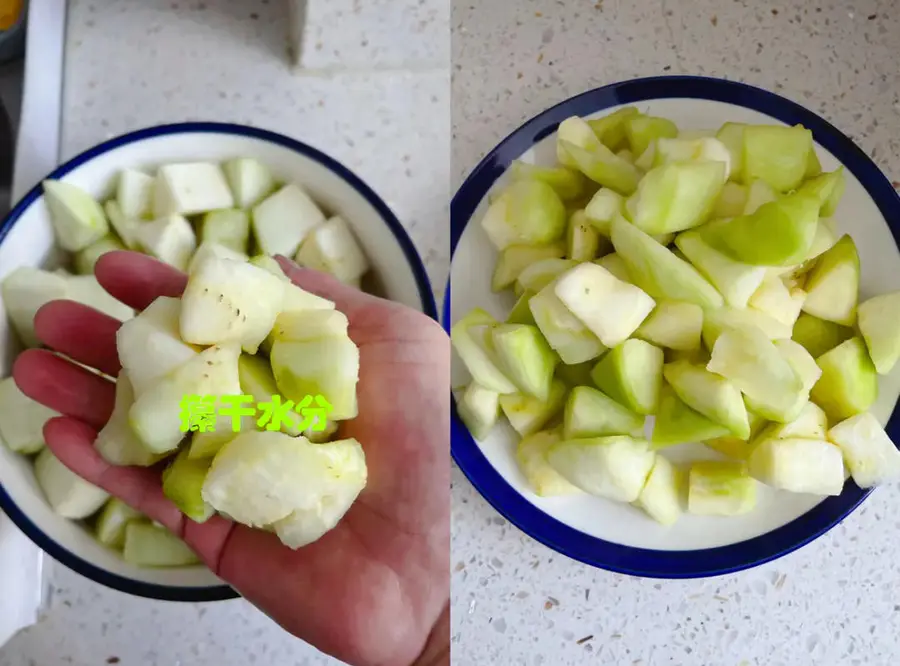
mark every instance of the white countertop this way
{"type": "Point", "coordinates": [378, 104]}
{"type": "Point", "coordinates": [832, 603]}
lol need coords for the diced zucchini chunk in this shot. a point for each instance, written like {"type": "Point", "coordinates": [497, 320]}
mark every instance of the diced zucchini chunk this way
{"type": "Point", "coordinates": [879, 324]}
{"type": "Point", "coordinates": [869, 453]}
{"type": "Point", "coordinates": [112, 521]}
{"type": "Point", "coordinates": [230, 228]}
{"type": "Point", "coordinates": [250, 180]}
{"type": "Point", "coordinates": [514, 259]}
{"type": "Point", "coordinates": [22, 419]}
{"type": "Point", "coordinates": [849, 383]}
{"type": "Point", "coordinates": [720, 489]}
{"type": "Point", "coordinates": [565, 333]}
{"type": "Point", "coordinates": [612, 467]}
{"type": "Point", "coordinates": [832, 287]}
{"type": "Point", "coordinates": [68, 494]}
{"type": "Point", "coordinates": [25, 291]}
{"type": "Point", "coordinates": [77, 219]}
{"type": "Point", "coordinates": [777, 155]}
{"type": "Point", "coordinates": [590, 413]}
{"type": "Point", "coordinates": [631, 374]}
{"type": "Point", "coordinates": [528, 212]}
{"type": "Point", "coordinates": [189, 189]}
{"type": "Point", "coordinates": [182, 482]}
{"type": "Point", "coordinates": [479, 408]}
{"type": "Point", "coordinates": [531, 454]}
{"type": "Point", "coordinates": [664, 493]}
{"type": "Point", "coordinates": [332, 248]}
{"type": "Point", "coordinates": [283, 220]}
{"type": "Point", "coordinates": [677, 423]}
{"type": "Point", "coordinates": [527, 414]}
{"type": "Point", "coordinates": [134, 194]}
{"type": "Point", "coordinates": [712, 395]}
{"type": "Point", "coordinates": [170, 239]}
{"type": "Point", "coordinates": [148, 545]}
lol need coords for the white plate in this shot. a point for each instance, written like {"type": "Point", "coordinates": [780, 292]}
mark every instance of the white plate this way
{"type": "Point", "coordinates": [617, 536]}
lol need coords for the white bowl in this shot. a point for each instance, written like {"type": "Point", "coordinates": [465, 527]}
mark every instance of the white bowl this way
{"type": "Point", "coordinates": [617, 536]}
{"type": "Point", "coordinates": [26, 239]}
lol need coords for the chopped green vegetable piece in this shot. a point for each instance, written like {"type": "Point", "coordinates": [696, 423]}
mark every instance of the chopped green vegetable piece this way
{"type": "Point", "coordinates": [479, 408]}
{"type": "Point", "coordinates": [521, 312]}
{"type": "Point", "coordinates": [603, 207]}
{"type": "Point", "coordinates": [731, 202]}
{"type": "Point", "coordinates": [528, 212]}
{"type": "Point", "coordinates": [817, 335]}
{"type": "Point", "coordinates": [612, 467]}
{"type": "Point", "coordinates": [832, 287]}
{"type": "Point", "coordinates": [663, 495]}
{"type": "Point", "coordinates": [479, 363]}
{"type": "Point", "coordinates": [631, 374]}
{"type": "Point", "coordinates": [113, 520]}
{"type": "Point", "coordinates": [673, 324]}
{"type": "Point", "coordinates": [525, 358]}
{"type": "Point", "coordinates": [527, 414]}
{"type": "Point", "coordinates": [716, 321]}
{"type": "Point", "coordinates": [732, 136]}
{"type": "Point", "coordinates": [590, 413]}
{"type": "Point", "coordinates": [603, 166]}
{"type": "Point", "coordinates": [869, 453]}
{"type": "Point", "coordinates": [713, 396]}
{"type": "Point", "coordinates": [720, 489]}
{"type": "Point", "coordinates": [531, 454]}
{"type": "Point", "coordinates": [677, 423]}
{"type": "Point", "coordinates": [182, 482]}
{"type": "Point", "coordinates": [516, 258]}
{"type": "Point", "coordinates": [147, 545]}
{"type": "Point", "coordinates": [568, 183]}
{"type": "Point", "coordinates": [642, 130]}
{"type": "Point", "coordinates": [565, 333]}
{"type": "Point", "coordinates": [676, 196]}
{"type": "Point", "coordinates": [657, 271]}
{"type": "Point", "coordinates": [879, 324]}
{"type": "Point", "coordinates": [777, 155]}
{"type": "Point", "coordinates": [798, 465]}
{"type": "Point", "coordinates": [541, 273]}
{"type": "Point", "coordinates": [849, 383]}
{"type": "Point", "coordinates": [736, 281]}
{"type": "Point", "coordinates": [610, 129]}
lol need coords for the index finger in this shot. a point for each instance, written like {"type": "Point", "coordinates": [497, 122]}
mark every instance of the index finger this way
{"type": "Point", "coordinates": [137, 279]}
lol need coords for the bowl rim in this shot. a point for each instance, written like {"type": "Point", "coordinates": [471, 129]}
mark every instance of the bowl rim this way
{"type": "Point", "coordinates": [558, 536]}
{"type": "Point", "coordinates": [56, 550]}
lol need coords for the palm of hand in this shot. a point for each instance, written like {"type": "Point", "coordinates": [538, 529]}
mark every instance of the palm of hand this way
{"type": "Point", "coordinates": [369, 591]}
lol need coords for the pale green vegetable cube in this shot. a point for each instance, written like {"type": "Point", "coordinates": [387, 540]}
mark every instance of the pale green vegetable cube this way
{"type": "Point", "coordinates": [148, 545]}
{"type": "Point", "coordinates": [527, 414]}
{"type": "Point", "coordinates": [869, 453]}
{"type": "Point", "coordinates": [759, 192]}
{"type": "Point", "coordinates": [590, 413]}
{"type": "Point", "coordinates": [732, 137]}
{"type": "Point", "coordinates": [327, 367]}
{"type": "Point", "coordinates": [849, 383]}
{"type": "Point", "coordinates": [700, 149]}
{"type": "Point", "coordinates": [514, 259]}
{"type": "Point", "coordinates": [319, 514]}
{"type": "Point", "coordinates": [170, 239]}
{"type": "Point", "coordinates": [521, 312]}
{"type": "Point", "coordinates": [155, 416]}
{"type": "Point", "coordinates": [811, 423]}
{"type": "Point", "coordinates": [674, 325]}
{"type": "Point", "coordinates": [582, 239]}
{"type": "Point", "coordinates": [531, 454]}
{"type": "Point", "coordinates": [731, 202]}
{"type": "Point", "coordinates": [608, 307]}
{"type": "Point", "coordinates": [612, 467]}
{"type": "Point", "coordinates": [776, 300]}
{"type": "Point", "coordinates": [641, 131]}
{"type": "Point", "coordinates": [116, 442]}
{"type": "Point", "coordinates": [182, 482]}
{"type": "Point", "coordinates": [657, 271]}
{"type": "Point", "coordinates": [283, 220]}
{"type": "Point", "coordinates": [332, 248]}
{"type": "Point", "coordinates": [77, 219]}
{"type": "Point", "coordinates": [576, 375]}
{"type": "Point", "coordinates": [250, 180]}
{"type": "Point", "coordinates": [645, 160]}
{"type": "Point", "coordinates": [710, 394]}
{"type": "Point", "coordinates": [565, 333]}
{"type": "Point", "coordinates": [832, 287]}
{"type": "Point", "coordinates": [798, 465]}
{"type": "Point", "coordinates": [230, 228]}
{"type": "Point", "coordinates": [22, 419]}
{"type": "Point", "coordinates": [525, 358]}
{"type": "Point", "coordinates": [125, 227]}
{"type": "Point", "coordinates": [479, 408]}
{"type": "Point", "coordinates": [112, 521]}
{"type": "Point", "coordinates": [568, 183]}
{"type": "Point", "coordinates": [603, 166]}
{"type": "Point", "coordinates": [720, 489]}
{"type": "Point", "coordinates": [676, 196]}
{"type": "Point", "coordinates": [817, 335]}
{"type": "Point", "coordinates": [528, 212]}
{"type": "Point", "coordinates": [310, 325]}
{"type": "Point", "coordinates": [823, 187]}
{"type": "Point", "coordinates": [603, 207]}
{"type": "Point", "coordinates": [189, 189]}
{"type": "Point", "coordinates": [631, 374]}
{"type": "Point", "coordinates": [716, 321]}
{"type": "Point", "coordinates": [663, 496]}
{"type": "Point", "coordinates": [736, 281]}
{"type": "Point", "coordinates": [68, 494]}
{"type": "Point", "coordinates": [801, 361]}
{"type": "Point", "coordinates": [735, 447]}
{"type": "Point", "coordinates": [86, 289]}
{"type": "Point", "coordinates": [748, 359]}
{"type": "Point", "coordinates": [576, 131]}
{"type": "Point", "coordinates": [879, 324]}
{"type": "Point", "coordinates": [86, 259]}
{"type": "Point", "coordinates": [134, 194]}
{"type": "Point", "coordinates": [150, 345]}
{"type": "Point", "coordinates": [677, 423]}
{"type": "Point", "coordinates": [209, 249]}
{"type": "Point", "coordinates": [477, 360]}
{"type": "Point", "coordinates": [615, 265]}
{"type": "Point", "coordinates": [230, 301]}
{"type": "Point", "coordinates": [610, 129]}
{"type": "Point", "coordinates": [541, 273]}
{"type": "Point", "coordinates": [777, 155]}
{"type": "Point", "coordinates": [779, 233]}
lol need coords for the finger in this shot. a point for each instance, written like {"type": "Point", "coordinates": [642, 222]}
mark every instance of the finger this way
{"type": "Point", "coordinates": [139, 487]}
{"type": "Point", "coordinates": [81, 333]}
{"type": "Point", "coordinates": [136, 279]}
{"type": "Point", "coordinates": [64, 387]}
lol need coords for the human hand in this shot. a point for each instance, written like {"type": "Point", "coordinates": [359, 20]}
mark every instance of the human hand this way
{"type": "Point", "coordinates": [374, 591]}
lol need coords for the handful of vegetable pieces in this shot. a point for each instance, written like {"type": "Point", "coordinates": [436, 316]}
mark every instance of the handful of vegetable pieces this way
{"type": "Point", "coordinates": [241, 328]}
{"type": "Point", "coordinates": [695, 277]}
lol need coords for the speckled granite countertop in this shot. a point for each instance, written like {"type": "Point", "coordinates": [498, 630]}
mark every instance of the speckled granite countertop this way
{"type": "Point", "coordinates": [833, 603]}
{"type": "Point", "coordinates": [378, 104]}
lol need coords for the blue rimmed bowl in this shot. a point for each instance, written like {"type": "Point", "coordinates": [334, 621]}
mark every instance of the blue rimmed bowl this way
{"type": "Point", "coordinates": [616, 536]}
{"type": "Point", "coordinates": [26, 238]}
